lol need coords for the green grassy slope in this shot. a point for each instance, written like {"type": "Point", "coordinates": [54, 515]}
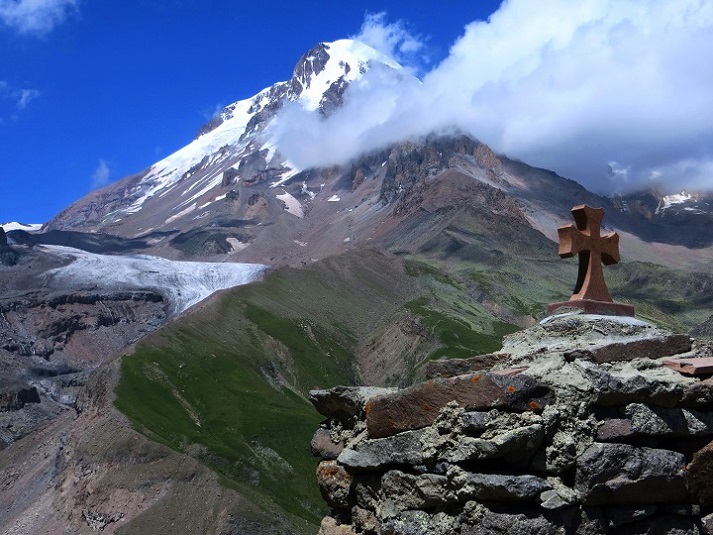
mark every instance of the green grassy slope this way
{"type": "Point", "coordinates": [227, 382]}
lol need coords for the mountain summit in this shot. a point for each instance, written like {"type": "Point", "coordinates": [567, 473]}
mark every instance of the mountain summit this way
{"type": "Point", "coordinates": [234, 146]}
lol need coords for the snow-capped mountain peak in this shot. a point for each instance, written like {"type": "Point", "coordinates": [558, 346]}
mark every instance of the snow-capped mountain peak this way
{"type": "Point", "coordinates": [235, 145]}
{"type": "Point", "coordinates": [329, 66]}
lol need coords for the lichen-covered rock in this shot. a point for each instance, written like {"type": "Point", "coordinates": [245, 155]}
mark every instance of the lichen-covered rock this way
{"type": "Point", "coordinates": [330, 526]}
{"type": "Point", "coordinates": [479, 520]}
{"type": "Point", "coordinates": [420, 523]}
{"type": "Point", "coordinates": [404, 491]}
{"type": "Point", "coordinates": [334, 483]}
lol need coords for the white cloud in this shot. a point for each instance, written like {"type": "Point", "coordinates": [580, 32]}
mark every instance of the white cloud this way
{"type": "Point", "coordinates": [100, 176]}
{"type": "Point", "coordinates": [35, 16]}
{"type": "Point", "coordinates": [18, 99]}
{"type": "Point", "coordinates": [570, 86]}
{"type": "Point", "coordinates": [392, 39]}
{"type": "Point", "coordinates": [24, 96]}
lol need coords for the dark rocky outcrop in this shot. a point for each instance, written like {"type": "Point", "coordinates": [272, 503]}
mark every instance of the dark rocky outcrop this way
{"type": "Point", "coordinates": [8, 255]}
{"type": "Point", "coordinates": [556, 441]}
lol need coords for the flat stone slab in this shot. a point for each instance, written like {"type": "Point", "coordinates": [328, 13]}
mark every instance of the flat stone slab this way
{"type": "Point", "coordinates": [417, 407]}
{"type": "Point", "coordinates": [651, 348]}
{"type": "Point", "coordinates": [691, 366]}
{"type": "Point", "coordinates": [452, 367]}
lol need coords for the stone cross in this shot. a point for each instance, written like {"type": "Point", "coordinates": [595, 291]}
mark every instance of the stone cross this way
{"type": "Point", "coordinates": [593, 250]}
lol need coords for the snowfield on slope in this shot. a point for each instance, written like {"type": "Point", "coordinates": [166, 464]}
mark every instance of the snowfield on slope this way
{"type": "Point", "coordinates": [7, 227]}
{"type": "Point", "coordinates": [183, 284]}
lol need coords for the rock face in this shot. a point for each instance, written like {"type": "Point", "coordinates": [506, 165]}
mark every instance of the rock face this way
{"type": "Point", "coordinates": [8, 256]}
{"type": "Point", "coordinates": [575, 427]}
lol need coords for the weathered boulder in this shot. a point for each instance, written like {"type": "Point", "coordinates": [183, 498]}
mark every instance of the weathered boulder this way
{"type": "Point", "coordinates": [625, 474]}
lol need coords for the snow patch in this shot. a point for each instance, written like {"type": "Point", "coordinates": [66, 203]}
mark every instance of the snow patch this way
{"type": "Point", "coordinates": [306, 191]}
{"type": "Point", "coordinates": [676, 198]}
{"type": "Point", "coordinates": [236, 244]}
{"type": "Point", "coordinates": [181, 213]}
{"type": "Point", "coordinates": [34, 227]}
{"type": "Point", "coordinates": [292, 205]}
{"type": "Point", "coordinates": [183, 284]}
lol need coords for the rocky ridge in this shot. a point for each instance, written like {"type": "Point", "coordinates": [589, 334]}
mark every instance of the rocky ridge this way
{"type": "Point", "coordinates": [577, 426]}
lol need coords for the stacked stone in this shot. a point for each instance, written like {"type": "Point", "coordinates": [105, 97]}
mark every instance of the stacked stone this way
{"type": "Point", "coordinates": [577, 427]}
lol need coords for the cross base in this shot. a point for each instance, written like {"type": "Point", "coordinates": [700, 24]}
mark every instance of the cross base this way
{"type": "Point", "coordinates": [589, 306]}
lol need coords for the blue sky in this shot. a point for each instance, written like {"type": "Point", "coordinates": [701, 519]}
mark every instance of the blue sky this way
{"type": "Point", "coordinates": [104, 89]}
{"type": "Point", "coordinates": [615, 94]}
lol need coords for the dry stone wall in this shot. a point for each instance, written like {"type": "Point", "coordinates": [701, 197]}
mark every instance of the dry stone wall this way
{"type": "Point", "coordinates": [577, 426]}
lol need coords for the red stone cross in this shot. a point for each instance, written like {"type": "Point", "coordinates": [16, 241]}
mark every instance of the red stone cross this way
{"type": "Point", "coordinates": [593, 250]}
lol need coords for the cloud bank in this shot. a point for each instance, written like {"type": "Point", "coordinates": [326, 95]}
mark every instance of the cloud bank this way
{"type": "Point", "coordinates": [36, 17]}
{"type": "Point", "coordinates": [615, 94]}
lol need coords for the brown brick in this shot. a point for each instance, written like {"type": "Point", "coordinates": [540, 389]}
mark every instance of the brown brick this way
{"type": "Point", "coordinates": [692, 366]}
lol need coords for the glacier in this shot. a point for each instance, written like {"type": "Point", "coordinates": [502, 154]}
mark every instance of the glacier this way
{"type": "Point", "coordinates": [183, 284]}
